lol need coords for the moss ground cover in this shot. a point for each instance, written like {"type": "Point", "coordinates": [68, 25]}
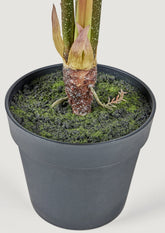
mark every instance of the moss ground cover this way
{"type": "Point", "coordinates": [31, 107]}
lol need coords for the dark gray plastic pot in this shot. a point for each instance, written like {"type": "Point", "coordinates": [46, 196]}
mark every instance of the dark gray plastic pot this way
{"type": "Point", "coordinates": [78, 186]}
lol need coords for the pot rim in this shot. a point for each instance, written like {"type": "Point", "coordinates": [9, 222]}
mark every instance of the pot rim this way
{"type": "Point", "coordinates": [153, 106]}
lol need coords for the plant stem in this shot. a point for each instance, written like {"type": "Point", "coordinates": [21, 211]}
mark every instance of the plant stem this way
{"type": "Point", "coordinates": [88, 15]}
{"type": "Point", "coordinates": [83, 14]}
{"type": "Point", "coordinates": [77, 90]}
{"type": "Point", "coordinates": [95, 25]}
{"type": "Point", "coordinates": [68, 25]}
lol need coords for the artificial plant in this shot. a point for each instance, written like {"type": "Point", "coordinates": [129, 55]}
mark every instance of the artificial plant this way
{"type": "Point", "coordinates": [78, 49]}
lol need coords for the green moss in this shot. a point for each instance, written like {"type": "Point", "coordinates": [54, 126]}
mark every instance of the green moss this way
{"type": "Point", "coordinates": [111, 89]}
{"type": "Point", "coordinates": [31, 108]}
{"type": "Point", "coordinates": [132, 108]}
{"type": "Point", "coordinates": [57, 85]}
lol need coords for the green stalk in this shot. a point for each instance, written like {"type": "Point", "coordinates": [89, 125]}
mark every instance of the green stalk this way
{"type": "Point", "coordinates": [95, 25]}
{"type": "Point", "coordinates": [68, 25]}
{"type": "Point", "coordinates": [80, 14]}
{"type": "Point", "coordinates": [76, 10]}
{"type": "Point", "coordinates": [88, 15]}
{"type": "Point", "coordinates": [83, 14]}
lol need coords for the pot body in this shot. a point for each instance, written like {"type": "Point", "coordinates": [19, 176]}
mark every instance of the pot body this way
{"type": "Point", "coordinates": [79, 186]}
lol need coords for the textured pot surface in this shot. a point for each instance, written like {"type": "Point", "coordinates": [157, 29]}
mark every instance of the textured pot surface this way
{"type": "Point", "coordinates": [79, 186]}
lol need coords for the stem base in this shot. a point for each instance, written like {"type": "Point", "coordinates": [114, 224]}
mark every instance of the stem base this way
{"type": "Point", "coordinates": [77, 89]}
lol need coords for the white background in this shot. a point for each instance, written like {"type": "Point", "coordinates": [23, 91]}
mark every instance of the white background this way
{"type": "Point", "coordinates": [132, 38]}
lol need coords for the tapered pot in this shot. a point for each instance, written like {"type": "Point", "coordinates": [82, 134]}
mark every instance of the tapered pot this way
{"type": "Point", "coordinates": [79, 186]}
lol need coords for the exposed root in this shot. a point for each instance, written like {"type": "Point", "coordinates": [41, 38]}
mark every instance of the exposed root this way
{"type": "Point", "coordinates": [59, 101]}
{"type": "Point", "coordinates": [110, 103]}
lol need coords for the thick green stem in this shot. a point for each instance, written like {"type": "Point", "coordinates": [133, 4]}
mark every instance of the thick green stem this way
{"type": "Point", "coordinates": [95, 25]}
{"type": "Point", "coordinates": [83, 14]}
{"type": "Point", "coordinates": [68, 25]}
{"type": "Point", "coordinates": [88, 15]}
{"type": "Point", "coordinates": [76, 10]}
